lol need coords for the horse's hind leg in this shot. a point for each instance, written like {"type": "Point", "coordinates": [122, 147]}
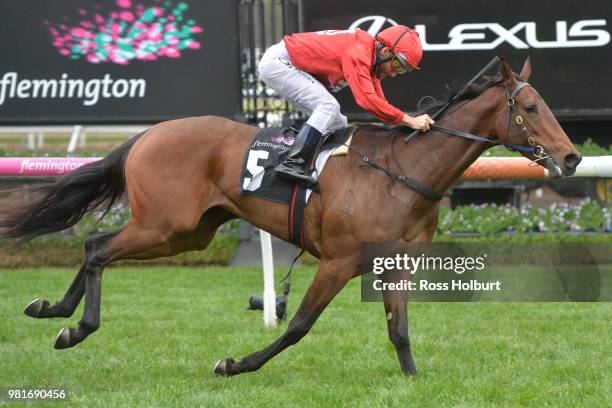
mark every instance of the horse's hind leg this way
{"type": "Point", "coordinates": [41, 308]}
{"type": "Point", "coordinates": [96, 258]}
{"type": "Point", "coordinates": [133, 242]}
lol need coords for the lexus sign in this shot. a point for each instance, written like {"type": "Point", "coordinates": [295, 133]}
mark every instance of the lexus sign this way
{"type": "Point", "coordinates": [569, 45]}
{"type": "Point", "coordinates": [584, 33]}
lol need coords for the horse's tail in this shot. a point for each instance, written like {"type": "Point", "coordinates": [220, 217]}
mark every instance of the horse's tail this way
{"type": "Point", "coordinates": [54, 207]}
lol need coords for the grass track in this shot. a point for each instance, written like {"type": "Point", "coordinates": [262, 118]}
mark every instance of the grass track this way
{"type": "Point", "coordinates": [163, 328]}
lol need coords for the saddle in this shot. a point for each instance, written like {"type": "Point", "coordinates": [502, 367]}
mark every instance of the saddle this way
{"type": "Point", "coordinates": [270, 147]}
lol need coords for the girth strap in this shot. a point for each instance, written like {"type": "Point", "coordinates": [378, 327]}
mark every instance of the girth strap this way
{"type": "Point", "coordinates": [408, 181]}
{"type": "Point", "coordinates": [295, 221]}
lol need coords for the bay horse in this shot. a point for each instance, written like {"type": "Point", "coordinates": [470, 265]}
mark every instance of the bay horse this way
{"type": "Point", "coordinates": [182, 180]}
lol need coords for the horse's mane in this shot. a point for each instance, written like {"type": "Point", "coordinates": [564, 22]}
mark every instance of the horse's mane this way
{"type": "Point", "coordinates": [472, 91]}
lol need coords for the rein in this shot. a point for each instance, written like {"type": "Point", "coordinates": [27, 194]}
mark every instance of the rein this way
{"type": "Point", "coordinates": [533, 149]}
{"type": "Point", "coordinates": [487, 67]}
{"type": "Point", "coordinates": [470, 136]}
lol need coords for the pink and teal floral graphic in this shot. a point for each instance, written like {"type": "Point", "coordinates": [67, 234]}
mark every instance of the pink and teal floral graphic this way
{"type": "Point", "coordinates": [132, 32]}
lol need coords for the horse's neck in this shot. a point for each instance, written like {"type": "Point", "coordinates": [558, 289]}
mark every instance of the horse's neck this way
{"type": "Point", "coordinates": [442, 158]}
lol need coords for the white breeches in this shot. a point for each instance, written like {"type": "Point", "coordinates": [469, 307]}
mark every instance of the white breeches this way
{"type": "Point", "coordinates": [301, 88]}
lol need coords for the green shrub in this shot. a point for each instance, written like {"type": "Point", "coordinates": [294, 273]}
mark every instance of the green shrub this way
{"type": "Point", "coordinates": [588, 148]}
{"type": "Point", "coordinates": [591, 217]}
{"type": "Point", "coordinates": [51, 153]}
{"type": "Point", "coordinates": [490, 219]}
{"type": "Point", "coordinates": [69, 251]}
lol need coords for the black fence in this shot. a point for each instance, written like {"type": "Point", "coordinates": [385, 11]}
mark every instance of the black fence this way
{"type": "Point", "coordinates": [262, 24]}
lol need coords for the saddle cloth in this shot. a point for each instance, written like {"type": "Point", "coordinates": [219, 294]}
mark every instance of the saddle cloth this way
{"type": "Point", "coordinates": [270, 147]}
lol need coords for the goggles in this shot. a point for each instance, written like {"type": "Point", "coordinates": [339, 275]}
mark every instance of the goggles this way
{"type": "Point", "coordinates": [400, 65]}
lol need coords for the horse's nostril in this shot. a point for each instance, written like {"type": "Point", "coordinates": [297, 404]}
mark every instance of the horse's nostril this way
{"type": "Point", "coordinates": [572, 160]}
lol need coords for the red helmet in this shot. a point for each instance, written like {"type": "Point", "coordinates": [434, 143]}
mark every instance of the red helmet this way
{"type": "Point", "coordinates": [405, 44]}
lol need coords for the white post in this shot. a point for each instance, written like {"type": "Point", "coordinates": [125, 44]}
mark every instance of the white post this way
{"type": "Point", "coordinates": [269, 296]}
{"type": "Point", "coordinates": [31, 141]}
{"type": "Point", "coordinates": [76, 132]}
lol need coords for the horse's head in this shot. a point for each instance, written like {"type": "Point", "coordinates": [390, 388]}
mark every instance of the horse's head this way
{"type": "Point", "coordinates": [529, 122]}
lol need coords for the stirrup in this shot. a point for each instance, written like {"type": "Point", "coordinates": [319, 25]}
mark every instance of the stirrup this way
{"type": "Point", "coordinates": [307, 181]}
{"type": "Point", "coordinates": [312, 185]}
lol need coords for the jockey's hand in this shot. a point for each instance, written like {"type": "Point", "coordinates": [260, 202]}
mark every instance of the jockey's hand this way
{"type": "Point", "coordinates": [422, 122]}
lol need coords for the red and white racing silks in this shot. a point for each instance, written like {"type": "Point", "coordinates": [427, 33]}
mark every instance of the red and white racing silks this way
{"type": "Point", "coordinates": [343, 57]}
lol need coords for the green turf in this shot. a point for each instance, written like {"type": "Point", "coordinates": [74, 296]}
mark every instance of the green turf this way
{"type": "Point", "coordinates": [163, 328]}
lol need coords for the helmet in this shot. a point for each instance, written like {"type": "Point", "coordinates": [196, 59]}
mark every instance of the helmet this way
{"type": "Point", "coordinates": [405, 43]}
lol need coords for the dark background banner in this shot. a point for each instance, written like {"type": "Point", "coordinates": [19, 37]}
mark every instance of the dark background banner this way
{"type": "Point", "coordinates": [575, 81]}
{"type": "Point", "coordinates": [196, 73]}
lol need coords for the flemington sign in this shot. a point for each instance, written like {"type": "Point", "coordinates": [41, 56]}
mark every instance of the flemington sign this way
{"type": "Point", "coordinates": [117, 61]}
{"type": "Point", "coordinates": [569, 44]}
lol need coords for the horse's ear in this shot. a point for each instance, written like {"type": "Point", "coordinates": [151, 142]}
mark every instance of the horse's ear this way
{"type": "Point", "coordinates": [526, 71]}
{"type": "Point", "coordinates": [506, 72]}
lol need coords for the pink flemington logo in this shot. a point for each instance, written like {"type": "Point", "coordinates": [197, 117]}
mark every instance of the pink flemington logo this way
{"type": "Point", "coordinates": [283, 138]}
{"type": "Point", "coordinates": [133, 32]}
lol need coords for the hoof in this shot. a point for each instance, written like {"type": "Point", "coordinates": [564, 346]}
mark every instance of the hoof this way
{"type": "Point", "coordinates": [411, 368]}
{"type": "Point", "coordinates": [63, 339]}
{"type": "Point", "coordinates": [35, 307]}
{"type": "Point", "coordinates": [221, 367]}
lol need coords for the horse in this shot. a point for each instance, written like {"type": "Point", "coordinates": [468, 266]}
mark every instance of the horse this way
{"type": "Point", "coordinates": [182, 181]}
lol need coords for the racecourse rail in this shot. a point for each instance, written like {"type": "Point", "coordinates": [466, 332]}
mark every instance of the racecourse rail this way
{"type": "Point", "coordinates": [490, 168]}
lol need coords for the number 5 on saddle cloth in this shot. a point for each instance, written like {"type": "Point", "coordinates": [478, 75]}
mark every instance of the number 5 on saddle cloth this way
{"type": "Point", "coordinates": [268, 148]}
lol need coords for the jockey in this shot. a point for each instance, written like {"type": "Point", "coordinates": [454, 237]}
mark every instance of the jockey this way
{"type": "Point", "coordinates": [304, 66]}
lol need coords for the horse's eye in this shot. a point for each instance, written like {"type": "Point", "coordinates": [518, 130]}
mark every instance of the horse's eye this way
{"type": "Point", "coordinates": [531, 109]}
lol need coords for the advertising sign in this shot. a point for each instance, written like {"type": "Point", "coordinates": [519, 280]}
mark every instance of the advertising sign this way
{"type": "Point", "coordinates": [117, 61]}
{"type": "Point", "coordinates": [568, 42]}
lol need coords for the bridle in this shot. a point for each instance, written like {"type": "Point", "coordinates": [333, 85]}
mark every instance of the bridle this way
{"type": "Point", "coordinates": [535, 149]}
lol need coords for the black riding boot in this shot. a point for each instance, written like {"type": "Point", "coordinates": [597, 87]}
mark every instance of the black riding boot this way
{"type": "Point", "coordinates": [294, 166]}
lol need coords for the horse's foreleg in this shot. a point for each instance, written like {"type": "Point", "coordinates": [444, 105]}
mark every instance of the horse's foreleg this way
{"type": "Point", "coordinates": [41, 308]}
{"type": "Point", "coordinates": [96, 257]}
{"type": "Point", "coordinates": [397, 323]}
{"type": "Point", "coordinates": [329, 280]}
{"type": "Point", "coordinates": [396, 307]}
